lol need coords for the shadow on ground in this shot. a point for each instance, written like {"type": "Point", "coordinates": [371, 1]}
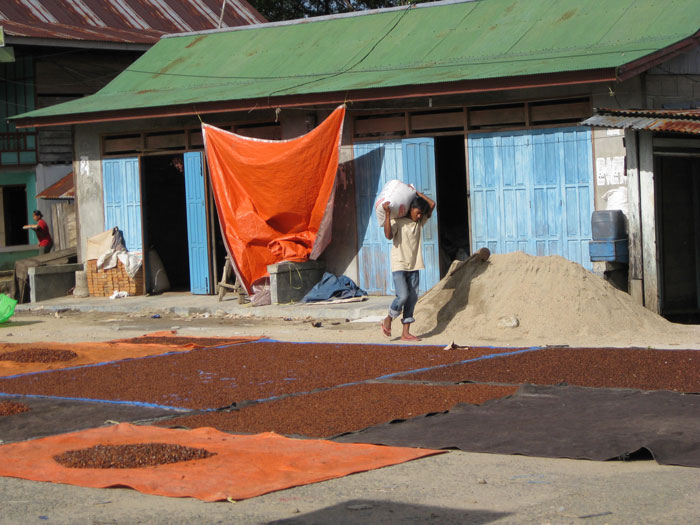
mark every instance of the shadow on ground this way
{"type": "Point", "coordinates": [372, 511]}
{"type": "Point", "coordinates": [15, 324]}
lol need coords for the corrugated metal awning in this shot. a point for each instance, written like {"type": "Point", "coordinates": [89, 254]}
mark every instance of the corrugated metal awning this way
{"type": "Point", "coordinates": [674, 121]}
{"type": "Point", "coordinates": [410, 51]}
{"type": "Point", "coordinates": [63, 189]}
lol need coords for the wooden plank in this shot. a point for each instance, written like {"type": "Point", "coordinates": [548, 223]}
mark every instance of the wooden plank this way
{"type": "Point", "coordinates": [394, 123]}
{"type": "Point", "coordinates": [634, 221]}
{"type": "Point", "coordinates": [119, 144]}
{"type": "Point", "coordinates": [56, 133]}
{"type": "Point", "coordinates": [696, 226]}
{"type": "Point", "coordinates": [165, 141]}
{"type": "Point", "coordinates": [196, 138]}
{"type": "Point", "coordinates": [648, 221]}
{"type": "Point", "coordinates": [660, 142]}
{"type": "Point", "coordinates": [64, 227]}
{"type": "Point", "coordinates": [74, 74]}
{"type": "Point", "coordinates": [549, 112]}
{"type": "Point", "coordinates": [469, 190]}
{"type": "Point", "coordinates": [71, 225]}
{"type": "Point", "coordinates": [261, 132]}
{"type": "Point", "coordinates": [55, 146]}
{"type": "Point", "coordinates": [494, 116]}
{"type": "Point", "coordinates": [426, 121]}
{"type": "Point", "coordinates": [56, 230]}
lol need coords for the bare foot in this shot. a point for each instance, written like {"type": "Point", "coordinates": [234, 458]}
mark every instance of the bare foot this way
{"type": "Point", "coordinates": [386, 330]}
{"type": "Point", "coordinates": [410, 337]}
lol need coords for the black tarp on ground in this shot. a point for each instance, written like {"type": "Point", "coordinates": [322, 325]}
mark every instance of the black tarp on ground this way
{"type": "Point", "coordinates": [48, 417]}
{"type": "Point", "coordinates": [560, 422]}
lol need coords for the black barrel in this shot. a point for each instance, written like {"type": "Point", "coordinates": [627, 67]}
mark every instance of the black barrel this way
{"type": "Point", "coordinates": [608, 225]}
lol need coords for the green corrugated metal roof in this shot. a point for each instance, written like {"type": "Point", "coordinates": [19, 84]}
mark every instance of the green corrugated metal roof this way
{"type": "Point", "coordinates": [441, 42]}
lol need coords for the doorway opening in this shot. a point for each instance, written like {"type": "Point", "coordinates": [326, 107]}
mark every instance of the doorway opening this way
{"type": "Point", "coordinates": [678, 201]}
{"type": "Point", "coordinates": [451, 178]}
{"type": "Point", "coordinates": [165, 221]}
{"type": "Point", "coordinates": [14, 206]}
{"type": "Point", "coordinates": [219, 254]}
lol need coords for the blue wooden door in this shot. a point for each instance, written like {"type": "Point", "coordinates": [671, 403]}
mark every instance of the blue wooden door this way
{"type": "Point", "coordinates": [532, 191]}
{"type": "Point", "coordinates": [197, 244]}
{"type": "Point", "coordinates": [376, 163]}
{"type": "Point", "coordinates": [419, 170]}
{"type": "Point", "coordinates": [122, 199]}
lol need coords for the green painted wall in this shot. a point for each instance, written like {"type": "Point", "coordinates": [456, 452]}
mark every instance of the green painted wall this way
{"type": "Point", "coordinates": [8, 259]}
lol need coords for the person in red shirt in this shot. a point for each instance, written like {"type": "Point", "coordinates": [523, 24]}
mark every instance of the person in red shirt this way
{"type": "Point", "coordinates": [42, 232]}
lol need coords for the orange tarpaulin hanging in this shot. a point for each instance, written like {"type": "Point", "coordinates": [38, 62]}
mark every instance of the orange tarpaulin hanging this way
{"type": "Point", "coordinates": [272, 195]}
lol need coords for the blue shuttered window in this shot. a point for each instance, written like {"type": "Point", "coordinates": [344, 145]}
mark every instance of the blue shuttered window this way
{"type": "Point", "coordinates": [532, 191]}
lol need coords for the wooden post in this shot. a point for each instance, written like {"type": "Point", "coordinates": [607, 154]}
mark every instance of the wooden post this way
{"type": "Point", "coordinates": [634, 221]}
{"type": "Point", "coordinates": [648, 221]}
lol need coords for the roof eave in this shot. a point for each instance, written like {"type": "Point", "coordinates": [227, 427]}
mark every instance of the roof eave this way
{"type": "Point", "coordinates": [338, 97]}
{"type": "Point", "coordinates": [75, 43]}
{"type": "Point", "coordinates": [636, 67]}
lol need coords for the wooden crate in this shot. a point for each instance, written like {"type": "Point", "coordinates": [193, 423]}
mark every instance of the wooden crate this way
{"type": "Point", "coordinates": [103, 283]}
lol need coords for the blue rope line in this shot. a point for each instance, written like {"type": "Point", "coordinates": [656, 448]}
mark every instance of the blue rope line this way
{"type": "Point", "coordinates": [106, 401]}
{"type": "Point", "coordinates": [480, 358]}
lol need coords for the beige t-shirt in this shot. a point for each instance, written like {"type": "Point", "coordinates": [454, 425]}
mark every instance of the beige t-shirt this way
{"type": "Point", "coordinates": [406, 253]}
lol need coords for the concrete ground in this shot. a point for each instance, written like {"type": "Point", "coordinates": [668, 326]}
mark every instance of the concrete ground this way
{"type": "Point", "coordinates": [456, 487]}
{"type": "Point", "coordinates": [185, 303]}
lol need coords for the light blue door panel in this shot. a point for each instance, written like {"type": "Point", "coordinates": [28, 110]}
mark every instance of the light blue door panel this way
{"type": "Point", "coordinates": [122, 199]}
{"type": "Point", "coordinates": [197, 244]}
{"type": "Point", "coordinates": [411, 161]}
{"type": "Point", "coordinates": [375, 163]}
{"type": "Point", "coordinates": [419, 170]}
{"type": "Point", "coordinates": [532, 191]}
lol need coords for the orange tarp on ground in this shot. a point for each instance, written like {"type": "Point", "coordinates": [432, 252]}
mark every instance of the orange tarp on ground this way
{"type": "Point", "coordinates": [244, 466]}
{"type": "Point", "coordinates": [272, 196]}
{"type": "Point", "coordinates": [101, 352]}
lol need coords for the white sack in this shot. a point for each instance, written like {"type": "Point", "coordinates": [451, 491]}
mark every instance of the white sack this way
{"type": "Point", "coordinates": [616, 199]}
{"type": "Point", "coordinates": [399, 195]}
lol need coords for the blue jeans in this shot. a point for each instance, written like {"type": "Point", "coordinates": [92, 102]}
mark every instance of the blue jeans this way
{"type": "Point", "coordinates": [406, 285]}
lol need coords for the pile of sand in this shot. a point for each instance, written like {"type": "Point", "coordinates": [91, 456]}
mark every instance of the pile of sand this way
{"type": "Point", "coordinates": [520, 299]}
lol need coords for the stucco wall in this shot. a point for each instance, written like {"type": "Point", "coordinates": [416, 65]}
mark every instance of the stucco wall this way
{"type": "Point", "coordinates": [609, 155]}
{"type": "Point", "coordinates": [609, 173]}
{"type": "Point", "coordinates": [88, 186]}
